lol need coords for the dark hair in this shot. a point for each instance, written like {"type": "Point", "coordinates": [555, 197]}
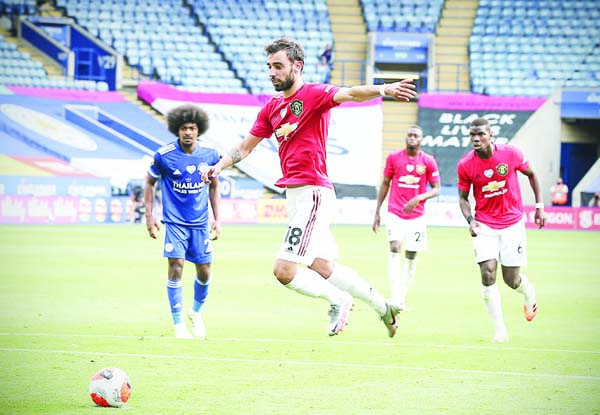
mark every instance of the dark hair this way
{"type": "Point", "coordinates": [184, 114]}
{"type": "Point", "coordinates": [293, 49]}
{"type": "Point", "coordinates": [480, 122]}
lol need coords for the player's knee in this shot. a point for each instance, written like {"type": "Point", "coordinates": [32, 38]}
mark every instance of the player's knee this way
{"type": "Point", "coordinates": [395, 246]}
{"type": "Point", "coordinates": [203, 273]}
{"type": "Point", "coordinates": [513, 281]}
{"type": "Point", "coordinates": [175, 269]}
{"type": "Point", "coordinates": [283, 274]}
{"type": "Point", "coordinates": [488, 274]}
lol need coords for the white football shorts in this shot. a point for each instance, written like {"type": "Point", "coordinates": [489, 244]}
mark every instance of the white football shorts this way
{"type": "Point", "coordinates": [310, 212]}
{"type": "Point", "coordinates": [508, 246]}
{"type": "Point", "coordinates": [412, 233]}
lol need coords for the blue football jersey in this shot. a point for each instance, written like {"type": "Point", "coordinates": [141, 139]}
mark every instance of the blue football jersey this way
{"type": "Point", "coordinates": [184, 195]}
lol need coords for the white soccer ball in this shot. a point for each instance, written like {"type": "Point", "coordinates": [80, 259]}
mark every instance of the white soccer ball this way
{"type": "Point", "coordinates": [110, 387]}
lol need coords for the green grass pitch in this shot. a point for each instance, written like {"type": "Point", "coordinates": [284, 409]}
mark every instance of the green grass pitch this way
{"type": "Point", "coordinates": [75, 299]}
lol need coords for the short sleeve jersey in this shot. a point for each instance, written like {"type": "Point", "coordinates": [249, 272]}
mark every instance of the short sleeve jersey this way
{"type": "Point", "coordinates": [184, 194]}
{"type": "Point", "coordinates": [409, 177]}
{"type": "Point", "coordinates": [300, 124]}
{"type": "Point", "coordinates": [496, 188]}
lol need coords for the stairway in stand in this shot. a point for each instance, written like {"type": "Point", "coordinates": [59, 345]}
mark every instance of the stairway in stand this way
{"type": "Point", "coordinates": [350, 42]}
{"type": "Point", "coordinates": [397, 118]}
{"type": "Point", "coordinates": [130, 93]}
{"type": "Point", "coordinates": [452, 45]}
{"type": "Point", "coordinates": [350, 55]}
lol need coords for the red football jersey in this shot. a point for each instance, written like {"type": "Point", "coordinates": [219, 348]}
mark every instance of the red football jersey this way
{"type": "Point", "coordinates": [301, 125]}
{"type": "Point", "coordinates": [496, 188]}
{"type": "Point", "coordinates": [408, 178]}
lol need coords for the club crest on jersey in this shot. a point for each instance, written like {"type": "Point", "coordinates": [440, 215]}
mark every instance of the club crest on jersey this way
{"type": "Point", "coordinates": [297, 107]}
{"type": "Point", "coordinates": [420, 168]}
{"type": "Point", "coordinates": [502, 169]}
{"type": "Point", "coordinates": [488, 173]}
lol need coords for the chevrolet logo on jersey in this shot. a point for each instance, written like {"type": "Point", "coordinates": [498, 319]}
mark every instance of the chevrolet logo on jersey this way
{"type": "Point", "coordinates": [408, 179]}
{"type": "Point", "coordinates": [285, 130]}
{"type": "Point", "coordinates": [493, 186]}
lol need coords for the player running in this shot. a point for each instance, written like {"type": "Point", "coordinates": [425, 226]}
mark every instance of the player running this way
{"type": "Point", "coordinates": [498, 226]}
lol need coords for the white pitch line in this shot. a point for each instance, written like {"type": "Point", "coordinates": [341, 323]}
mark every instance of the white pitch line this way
{"type": "Point", "coordinates": [393, 343]}
{"type": "Point", "coordinates": [306, 363]}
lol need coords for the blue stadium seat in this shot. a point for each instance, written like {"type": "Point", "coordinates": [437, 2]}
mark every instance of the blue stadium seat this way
{"type": "Point", "coordinates": [555, 40]}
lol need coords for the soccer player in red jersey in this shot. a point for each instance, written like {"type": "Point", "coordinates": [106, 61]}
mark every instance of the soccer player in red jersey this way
{"type": "Point", "coordinates": [405, 176]}
{"type": "Point", "coordinates": [299, 117]}
{"type": "Point", "coordinates": [498, 225]}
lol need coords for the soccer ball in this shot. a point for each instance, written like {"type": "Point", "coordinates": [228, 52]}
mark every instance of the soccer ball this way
{"type": "Point", "coordinates": [110, 387]}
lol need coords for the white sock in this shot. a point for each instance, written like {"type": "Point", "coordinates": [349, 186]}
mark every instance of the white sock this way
{"type": "Point", "coordinates": [409, 269]}
{"type": "Point", "coordinates": [311, 284]}
{"type": "Point", "coordinates": [493, 303]}
{"type": "Point", "coordinates": [348, 280]}
{"type": "Point", "coordinates": [526, 288]}
{"type": "Point", "coordinates": [394, 270]}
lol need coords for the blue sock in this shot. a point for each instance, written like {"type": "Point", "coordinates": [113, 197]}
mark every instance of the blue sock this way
{"type": "Point", "coordinates": [175, 294]}
{"type": "Point", "coordinates": [200, 294]}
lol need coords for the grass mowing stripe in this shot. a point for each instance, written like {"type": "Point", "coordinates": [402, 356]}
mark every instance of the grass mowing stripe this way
{"type": "Point", "coordinates": [337, 342]}
{"type": "Point", "coordinates": [305, 363]}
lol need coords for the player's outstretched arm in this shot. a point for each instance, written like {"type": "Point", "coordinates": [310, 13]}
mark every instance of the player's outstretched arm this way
{"type": "Point", "coordinates": [403, 90]}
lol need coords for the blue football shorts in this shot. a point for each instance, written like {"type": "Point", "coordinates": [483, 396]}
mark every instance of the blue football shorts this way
{"type": "Point", "coordinates": [192, 244]}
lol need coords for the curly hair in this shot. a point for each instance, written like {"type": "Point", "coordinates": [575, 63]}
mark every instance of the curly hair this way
{"type": "Point", "coordinates": [184, 114]}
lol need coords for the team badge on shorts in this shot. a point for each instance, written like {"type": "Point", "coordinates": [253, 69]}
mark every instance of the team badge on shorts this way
{"type": "Point", "coordinates": [297, 107]}
{"type": "Point", "coordinates": [502, 169]}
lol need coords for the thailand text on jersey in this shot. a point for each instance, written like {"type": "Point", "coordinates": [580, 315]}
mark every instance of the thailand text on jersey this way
{"type": "Point", "coordinates": [184, 194]}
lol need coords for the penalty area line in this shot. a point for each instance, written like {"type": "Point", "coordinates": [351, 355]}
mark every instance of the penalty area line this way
{"type": "Point", "coordinates": [304, 363]}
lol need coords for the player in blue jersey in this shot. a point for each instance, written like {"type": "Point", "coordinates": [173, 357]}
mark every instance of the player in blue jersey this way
{"type": "Point", "coordinates": [179, 166]}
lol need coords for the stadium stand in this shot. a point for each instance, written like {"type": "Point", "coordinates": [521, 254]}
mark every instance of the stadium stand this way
{"type": "Point", "coordinates": [17, 7]}
{"type": "Point", "coordinates": [516, 47]}
{"type": "Point", "coordinates": [229, 22]}
{"type": "Point", "coordinates": [401, 16]}
{"type": "Point", "coordinates": [18, 68]}
{"type": "Point", "coordinates": [166, 42]}
{"type": "Point", "coordinates": [530, 48]}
